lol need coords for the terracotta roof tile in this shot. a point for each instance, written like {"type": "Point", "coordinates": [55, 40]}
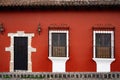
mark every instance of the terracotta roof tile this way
{"type": "Point", "coordinates": [57, 2]}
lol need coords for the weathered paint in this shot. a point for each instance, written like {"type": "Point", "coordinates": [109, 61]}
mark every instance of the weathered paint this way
{"type": "Point", "coordinates": [80, 23]}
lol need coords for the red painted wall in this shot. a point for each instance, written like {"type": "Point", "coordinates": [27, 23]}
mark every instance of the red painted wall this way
{"type": "Point", "coordinates": [81, 23]}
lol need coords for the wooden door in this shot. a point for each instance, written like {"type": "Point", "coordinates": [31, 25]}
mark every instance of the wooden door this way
{"type": "Point", "coordinates": [20, 53]}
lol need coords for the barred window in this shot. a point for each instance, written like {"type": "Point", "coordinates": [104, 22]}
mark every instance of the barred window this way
{"type": "Point", "coordinates": [103, 44]}
{"type": "Point", "coordinates": [59, 44]}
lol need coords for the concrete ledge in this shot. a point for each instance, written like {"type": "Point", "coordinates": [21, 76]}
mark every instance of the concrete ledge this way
{"type": "Point", "coordinates": [63, 76]}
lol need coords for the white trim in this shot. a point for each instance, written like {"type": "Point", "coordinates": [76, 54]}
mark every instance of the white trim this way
{"type": "Point", "coordinates": [58, 63]}
{"type": "Point", "coordinates": [11, 48]}
{"type": "Point", "coordinates": [103, 64]}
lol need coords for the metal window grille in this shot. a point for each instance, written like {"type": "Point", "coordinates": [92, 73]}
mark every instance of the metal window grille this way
{"type": "Point", "coordinates": [59, 44]}
{"type": "Point", "coordinates": [103, 45]}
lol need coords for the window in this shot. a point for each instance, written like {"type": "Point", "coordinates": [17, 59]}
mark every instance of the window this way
{"type": "Point", "coordinates": [58, 48]}
{"type": "Point", "coordinates": [103, 44]}
{"type": "Point", "coordinates": [58, 43]}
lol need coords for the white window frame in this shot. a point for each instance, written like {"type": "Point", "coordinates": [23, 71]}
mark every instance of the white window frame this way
{"type": "Point", "coordinates": [11, 49]}
{"type": "Point", "coordinates": [58, 63]}
{"type": "Point", "coordinates": [50, 40]}
{"type": "Point", "coordinates": [103, 64]}
{"type": "Point", "coordinates": [112, 42]}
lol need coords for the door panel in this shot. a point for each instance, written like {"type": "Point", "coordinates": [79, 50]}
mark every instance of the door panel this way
{"type": "Point", "coordinates": [20, 53]}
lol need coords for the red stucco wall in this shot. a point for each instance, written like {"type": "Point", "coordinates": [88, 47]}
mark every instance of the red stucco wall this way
{"type": "Point", "coordinates": [81, 23]}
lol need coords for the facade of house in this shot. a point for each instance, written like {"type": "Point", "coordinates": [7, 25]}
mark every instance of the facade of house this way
{"type": "Point", "coordinates": [59, 36]}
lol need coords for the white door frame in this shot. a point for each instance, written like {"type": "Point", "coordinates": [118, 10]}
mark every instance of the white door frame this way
{"type": "Point", "coordinates": [11, 48]}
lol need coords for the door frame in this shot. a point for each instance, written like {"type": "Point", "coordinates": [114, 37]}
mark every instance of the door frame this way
{"type": "Point", "coordinates": [11, 49]}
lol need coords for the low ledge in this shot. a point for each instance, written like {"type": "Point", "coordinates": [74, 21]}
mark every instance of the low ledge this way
{"type": "Point", "coordinates": [65, 75]}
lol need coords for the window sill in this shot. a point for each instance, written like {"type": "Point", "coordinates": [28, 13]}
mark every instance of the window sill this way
{"type": "Point", "coordinates": [58, 64]}
{"type": "Point", "coordinates": [103, 59]}
{"type": "Point", "coordinates": [59, 58]}
{"type": "Point", "coordinates": [103, 64]}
